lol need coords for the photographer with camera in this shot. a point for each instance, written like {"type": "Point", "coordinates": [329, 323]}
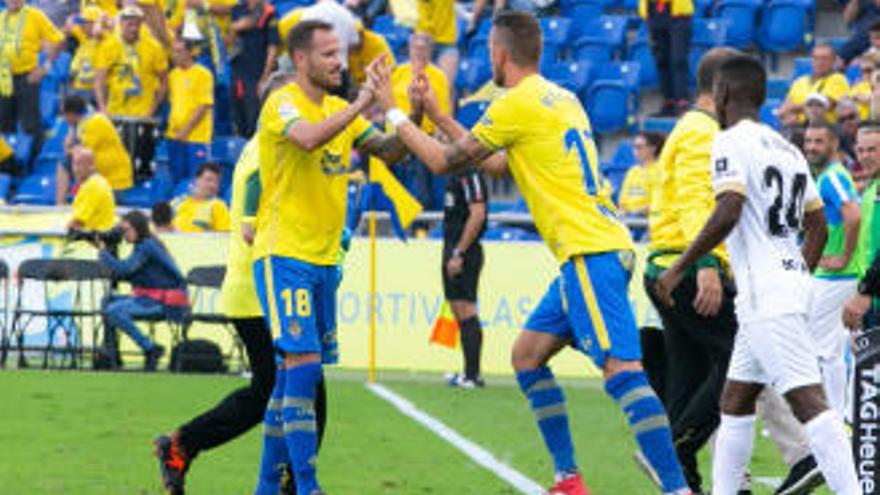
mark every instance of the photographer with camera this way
{"type": "Point", "coordinates": [93, 204]}
{"type": "Point", "coordinates": [158, 287]}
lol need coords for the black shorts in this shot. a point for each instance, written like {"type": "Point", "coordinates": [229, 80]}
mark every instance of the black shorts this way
{"type": "Point", "coordinates": [463, 287]}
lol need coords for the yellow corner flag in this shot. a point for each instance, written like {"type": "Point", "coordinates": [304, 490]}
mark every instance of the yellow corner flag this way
{"type": "Point", "coordinates": [445, 331]}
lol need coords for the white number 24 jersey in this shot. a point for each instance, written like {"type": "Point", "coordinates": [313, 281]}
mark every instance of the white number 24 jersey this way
{"type": "Point", "coordinates": [752, 159]}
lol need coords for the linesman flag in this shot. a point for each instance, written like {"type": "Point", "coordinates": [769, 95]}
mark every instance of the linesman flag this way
{"type": "Point", "coordinates": [445, 331]}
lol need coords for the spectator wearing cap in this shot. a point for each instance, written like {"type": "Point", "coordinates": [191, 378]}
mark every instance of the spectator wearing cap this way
{"type": "Point", "coordinates": [25, 29]}
{"type": "Point", "coordinates": [88, 31]}
{"type": "Point", "coordinates": [131, 77]}
{"type": "Point", "coordinates": [93, 204]}
{"type": "Point", "coordinates": [190, 122]}
{"type": "Point", "coordinates": [861, 16]}
{"type": "Point", "coordinates": [196, 25]}
{"type": "Point", "coordinates": [345, 26]}
{"type": "Point", "coordinates": [253, 46]}
{"type": "Point", "coordinates": [202, 211]}
{"type": "Point", "coordinates": [816, 108]}
{"type": "Point", "coordinates": [823, 80]}
{"type": "Point", "coordinates": [96, 132]}
{"type": "Point", "coordinates": [669, 23]}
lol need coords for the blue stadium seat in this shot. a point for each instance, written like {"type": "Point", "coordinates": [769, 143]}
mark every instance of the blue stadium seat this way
{"type": "Point", "coordinates": [53, 146]}
{"type": "Point", "coordinates": [135, 197]}
{"type": "Point", "coordinates": [226, 150]}
{"type": "Point", "coordinates": [182, 188]}
{"type": "Point", "coordinates": [786, 25]}
{"type": "Point", "coordinates": [612, 102]}
{"type": "Point", "coordinates": [777, 88]}
{"type": "Point", "coordinates": [742, 18]}
{"type": "Point", "coordinates": [641, 53]}
{"type": "Point", "coordinates": [658, 124]}
{"type": "Point", "coordinates": [614, 175]}
{"type": "Point", "coordinates": [37, 189]}
{"type": "Point", "coordinates": [708, 33]}
{"type": "Point", "coordinates": [568, 7]}
{"type": "Point", "coordinates": [5, 184]}
{"type": "Point", "coordinates": [160, 156]}
{"type": "Point", "coordinates": [803, 66]}
{"type": "Point", "coordinates": [694, 56]}
{"type": "Point", "coordinates": [550, 54]}
{"type": "Point", "coordinates": [469, 113]}
{"type": "Point", "coordinates": [510, 234]}
{"type": "Point", "coordinates": [853, 73]}
{"type": "Point", "coordinates": [624, 155]}
{"type": "Point", "coordinates": [580, 12]}
{"type": "Point", "coordinates": [768, 113]}
{"type": "Point", "coordinates": [574, 76]}
{"type": "Point", "coordinates": [702, 8]}
{"type": "Point", "coordinates": [611, 28]}
{"type": "Point", "coordinates": [594, 50]}
{"type": "Point", "coordinates": [472, 74]}
{"type": "Point", "coordinates": [556, 30]}
{"type": "Point", "coordinates": [477, 46]}
{"type": "Point", "coordinates": [50, 106]}
{"type": "Point", "coordinates": [21, 144]}
{"type": "Point", "coordinates": [284, 7]}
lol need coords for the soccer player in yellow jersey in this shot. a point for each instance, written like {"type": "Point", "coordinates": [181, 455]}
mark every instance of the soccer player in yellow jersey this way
{"type": "Point", "coordinates": [546, 136]}
{"type": "Point", "coordinates": [93, 206]}
{"type": "Point", "coordinates": [306, 137]}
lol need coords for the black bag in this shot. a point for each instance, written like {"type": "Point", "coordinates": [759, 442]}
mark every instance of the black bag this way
{"type": "Point", "coordinates": [197, 356]}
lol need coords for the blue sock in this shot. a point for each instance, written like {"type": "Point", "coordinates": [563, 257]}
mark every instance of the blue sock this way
{"type": "Point", "coordinates": [274, 447]}
{"type": "Point", "coordinates": [649, 424]}
{"type": "Point", "coordinates": [548, 404]}
{"type": "Point", "coordinates": [300, 428]}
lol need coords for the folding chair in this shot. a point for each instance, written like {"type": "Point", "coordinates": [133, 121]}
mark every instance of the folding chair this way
{"type": "Point", "coordinates": [205, 283]}
{"type": "Point", "coordinates": [78, 284]}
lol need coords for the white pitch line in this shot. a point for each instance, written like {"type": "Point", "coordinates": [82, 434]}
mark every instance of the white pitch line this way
{"type": "Point", "coordinates": [478, 454]}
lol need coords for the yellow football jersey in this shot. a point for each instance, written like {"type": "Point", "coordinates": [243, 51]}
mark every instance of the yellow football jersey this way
{"type": "Point", "coordinates": [21, 35]}
{"type": "Point", "coordinates": [861, 89]}
{"type": "Point", "coordinates": [683, 198]}
{"type": "Point", "coordinates": [83, 65]}
{"type": "Point", "coordinates": [551, 154]}
{"type": "Point", "coordinates": [302, 204]}
{"type": "Point", "coordinates": [239, 294]}
{"type": "Point", "coordinates": [834, 86]}
{"type": "Point", "coordinates": [93, 205]}
{"type": "Point", "coordinates": [133, 74]}
{"type": "Point", "coordinates": [200, 215]}
{"type": "Point", "coordinates": [372, 46]}
{"type": "Point", "coordinates": [401, 79]}
{"type": "Point", "coordinates": [188, 90]}
{"type": "Point", "coordinates": [635, 193]}
{"type": "Point", "coordinates": [437, 19]}
{"type": "Point", "coordinates": [98, 134]}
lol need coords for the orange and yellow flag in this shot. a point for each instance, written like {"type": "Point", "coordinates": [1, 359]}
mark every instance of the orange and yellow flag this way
{"type": "Point", "coordinates": [445, 331]}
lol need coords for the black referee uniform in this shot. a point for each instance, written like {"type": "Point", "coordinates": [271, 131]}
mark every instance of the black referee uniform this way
{"type": "Point", "coordinates": [463, 190]}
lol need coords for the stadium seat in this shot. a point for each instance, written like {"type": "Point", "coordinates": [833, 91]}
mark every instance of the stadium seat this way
{"type": "Point", "coordinates": [580, 12]}
{"type": "Point", "coordinates": [785, 26]}
{"type": "Point", "coordinates": [5, 184]}
{"type": "Point", "coordinates": [694, 56]}
{"type": "Point", "coordinates": [658, 124]}
{"type": "Point", "coordinates": [556, 30]}
{"type": "Point", "coordinates": [472, 74]}
{"type": "Point", "coordinates": [21, 144]}
{"type": "Point", "coordinates": [182, 188]}
{"type": "Point", "coordinates": [569, 7]}
{"type": "Point", "coordinates": [50, 105]}
{"type": "Point", "coordinates": [835, 42]}
{"type": "Point", "coordinates": [469, 113]}
{"type": "Point", "coordinates": [777, 88]}
{"type": "Point", "coordinates": [136, 197]}
{"type": "Point", "coordinates": [510, 234]}
{"type": "Point", "coordinates": [161, 154]}
{"type": "Point", "coordinates": [624, 155]}
{"type": "Point", "coordinates": [592, 50]}
{"type": "Point", "coordinates": [702, 8]}
{"type": "Point", "coordinates": [768, 113]}
{"type": "Point", "coordinates": [803, 66]}
{"type": "Point", "coordinates": [225, 150]}
{"type": "Point", "coordinates": [853, 73]}
{"type": "Point", "coordinates": [611, 100]}
{"type": "Point", "coordinates": [53, 146]}
{"type": "Point", "coordinates": [477, 46]}
{"type": "Point", "coordinates": [708, 33]}
{"type": "Point", "coordinates": [641, 53]}
{"type": "Point", "coordinates": [37, 189]}
{"type": "Point", "coordinates": [610, 28]}
{"type": "Point", "coordinates": [574, 76]}
{"type": "Point", "coordinates": [550, 54]}
{"type": "Point", "coordinates": [741, 16]}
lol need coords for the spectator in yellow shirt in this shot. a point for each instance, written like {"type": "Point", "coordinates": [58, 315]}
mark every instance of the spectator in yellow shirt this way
{"type": "Point", "coordinates": [88, 31]}
{"type": "Point", "coordinates": [823, 80]}
{"type": "Point", "coordinates": [861, 89]}
{"type": "Point", "coordinates": [371, 46]}
{"type": "Point", "coordinates": [93, 205]}
{"type": "Point", "coordinates": [202, 211]}
{"type": "Point", "coordinates": [635, 193]}
{"type": "Point", "coordinates": [131, 71]}
{"type": "Point", "coordinates": [413, 173]}
{"type": "Point", "coordinates": [437, 20]}
{"type": "Point", "coordinates": [97, 133]}
{"type": "Point", "coordinates": [24, 30]}
{"type": "Point", "coordinates": [191, 121]}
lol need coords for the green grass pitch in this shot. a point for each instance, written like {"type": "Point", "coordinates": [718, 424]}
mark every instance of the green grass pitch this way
{"type": "Point", "coordinates": [90, 434]}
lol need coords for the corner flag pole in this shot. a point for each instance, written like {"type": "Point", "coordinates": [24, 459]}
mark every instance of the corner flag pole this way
{"type": "Point", "coordinates": [372, 368]}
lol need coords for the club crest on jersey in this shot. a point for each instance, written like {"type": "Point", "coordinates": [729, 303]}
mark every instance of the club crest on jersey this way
{"type": "Point", "coordinates": [287, 111]}
{"type": "Point", "coordinates": [295, 331]}
{"type": "Point", "coordinates": [721, 165]}
{"type": "Point", "coordinates": [332, 164]}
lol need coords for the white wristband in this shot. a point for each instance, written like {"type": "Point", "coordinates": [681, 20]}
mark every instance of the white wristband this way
{"type": "Point", "coordinates": [395, 118]}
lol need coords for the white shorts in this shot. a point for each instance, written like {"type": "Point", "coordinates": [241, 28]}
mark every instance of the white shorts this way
{"type": "Point", "coordinates": [825, 313]}
{"type": "Point", "coordinates": [776, 351]}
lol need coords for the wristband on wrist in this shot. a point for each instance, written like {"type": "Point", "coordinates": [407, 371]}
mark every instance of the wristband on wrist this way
{"type": "Point", "coordinates": [456, 253]}
{"type": "Point", "coordinates": [395, 117]}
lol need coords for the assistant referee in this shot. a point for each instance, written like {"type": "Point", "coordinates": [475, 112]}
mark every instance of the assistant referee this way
{"type": "Point", "coordinates": [464, 222]}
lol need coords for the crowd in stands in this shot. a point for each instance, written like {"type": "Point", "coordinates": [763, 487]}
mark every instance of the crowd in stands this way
{"type": "Point", "coordinates": [157, 89]}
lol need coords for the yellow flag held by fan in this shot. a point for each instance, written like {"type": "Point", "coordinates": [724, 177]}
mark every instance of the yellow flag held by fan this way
{"type": "Point", "coordinates": [445, 331]}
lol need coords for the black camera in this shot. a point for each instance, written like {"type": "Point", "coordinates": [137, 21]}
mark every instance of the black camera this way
{"type": "Point", "coordinates": [111, 238]}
